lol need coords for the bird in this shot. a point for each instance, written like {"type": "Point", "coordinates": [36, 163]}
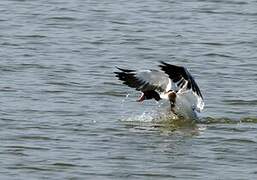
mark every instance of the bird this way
{"type": "Point", "coordinates": [172, 82]}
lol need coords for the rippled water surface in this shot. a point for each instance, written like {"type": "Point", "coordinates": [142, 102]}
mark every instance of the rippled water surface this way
{"type": "Point", "coordinates": [64, 115]}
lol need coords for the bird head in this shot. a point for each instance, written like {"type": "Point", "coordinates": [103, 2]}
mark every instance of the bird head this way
{"type": "Point", "coordinates": [172, 96]}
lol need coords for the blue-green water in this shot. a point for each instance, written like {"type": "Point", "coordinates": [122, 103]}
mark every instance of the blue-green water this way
{"type": "Point", "coordinates": [64, 115]}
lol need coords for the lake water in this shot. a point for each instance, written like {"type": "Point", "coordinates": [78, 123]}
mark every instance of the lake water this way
{"type": "Point", "coordinates": [64, 115]}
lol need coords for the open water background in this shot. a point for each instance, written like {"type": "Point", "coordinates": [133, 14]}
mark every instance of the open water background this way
{"type": "Point", "coordinates": [64, 115]}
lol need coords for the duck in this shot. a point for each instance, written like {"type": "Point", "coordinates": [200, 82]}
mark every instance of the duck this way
{"type": "Point", "coordinates": [171, 82]}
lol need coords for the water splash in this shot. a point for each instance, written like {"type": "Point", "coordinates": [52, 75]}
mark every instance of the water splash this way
{"type": "Point", "coordinates": [167, 123]}
{"type": "Point", "coordinates": [161, 119]}
{"type": "Point", "coordinates": [145, 117]}
{"type": "Point", "coordinates": [162, 122]}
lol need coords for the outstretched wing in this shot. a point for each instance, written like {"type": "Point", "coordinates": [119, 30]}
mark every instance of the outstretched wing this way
{"type": "Point", "coordinates": [184, 82]}
{"type": "Point", "coordinates": [145, 80]}
{"type": "Point", "coordinates": [180, 76]}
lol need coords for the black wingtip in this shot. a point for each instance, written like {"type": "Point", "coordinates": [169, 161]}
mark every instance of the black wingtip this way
{"type": "Point", "coordinates": [124, 70]}
{"type": "Point", "coordinates": [117, 74]}
{"type": "Point", "coordinates": [163, 64]}
{"type": "Point", "coordinates": [118, 68]}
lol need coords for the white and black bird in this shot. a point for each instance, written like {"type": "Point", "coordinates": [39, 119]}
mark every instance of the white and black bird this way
{"type": "Point", "coordinates": [173, 83]}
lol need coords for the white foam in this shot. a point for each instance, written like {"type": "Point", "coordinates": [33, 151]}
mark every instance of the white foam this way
{"type": "Point", "coordinates": [145, 117]}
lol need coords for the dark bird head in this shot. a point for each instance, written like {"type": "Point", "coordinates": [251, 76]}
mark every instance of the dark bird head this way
{"type": "Point", "coordinates": [172, 97]}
